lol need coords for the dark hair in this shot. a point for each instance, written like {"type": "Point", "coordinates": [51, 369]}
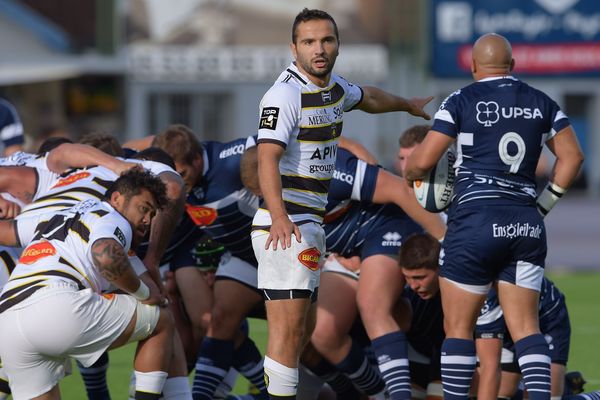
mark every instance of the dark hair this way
{"type": "Point", "coordinates": [104, 142]}
{"type": "Point", "coordinates": [420, 251]}
{"type": "Point", "coordinates": [180, 142]}
{"type": "Point", "coordinates": [52, 143]}
{"type": "Point", "coordinates": [311, 15]}
{"type": "Point", "coordinates": [413, 135]}
{"type": "Point", "coordinates": [154, 154]}
{"type": "Point", "coordinates": [132, 182]}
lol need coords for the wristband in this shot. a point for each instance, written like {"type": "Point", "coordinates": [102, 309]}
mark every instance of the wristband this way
{"type": "Point", "coordinates": [549, 197]}
{"type": "Point", "coordinates": [142, 293]}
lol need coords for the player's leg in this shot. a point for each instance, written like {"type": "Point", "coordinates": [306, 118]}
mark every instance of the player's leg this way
{"type": "Point", "coordinates": [94, 379]}
{"type": "Point", "coordinates": [197, 298]}
{"type": "Point", "coordinates": [336, 314]}
{"type": "Point", "coordinates": [177, 386]}
{"type": "Point", "coordinates": [488, 371]}
{"type": "Point", "coordinates": [379, 288]}
{"type": "Point", "coordinates": [232, 302]}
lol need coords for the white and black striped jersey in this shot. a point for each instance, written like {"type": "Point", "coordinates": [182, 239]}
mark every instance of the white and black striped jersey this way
{"type": "Point", "coordinates": [61, 250]}
{"type": "Point", "coordinates": [307, 121]}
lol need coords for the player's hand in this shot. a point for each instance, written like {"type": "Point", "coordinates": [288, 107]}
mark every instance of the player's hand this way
{"type": "Point", "coordinates": [281, 231]}
{"type": "Point", "coordinates": [8, 209]}
{"type": "Point", "coordinates": [156, 297]}
{"type": "Point", "coordinates": [416, 106]}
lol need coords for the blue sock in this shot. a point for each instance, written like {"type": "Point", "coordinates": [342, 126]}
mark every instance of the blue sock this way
{"type": "Point", "coordinates": [338, 382]}
{"type": "Point", "coordinates": [94, 378]}
{"type": "Point", "coordinates": [392, 356]}
{"type": "Point", "coordinates": [214, 360]}
{"type": "Point", "coordinates": [533, 354]}
{"type": "Point", "coordinates": [458, 365]}
{"type": "Point", "coordinates": [583, 396]}
{"type": "Point", "coordinates": [356, 366]}
{"type": "Point", "coordinates": [248, 362]}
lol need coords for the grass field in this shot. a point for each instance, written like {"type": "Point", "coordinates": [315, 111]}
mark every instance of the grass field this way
{"type": "Point", "coordinates": [582, 300]}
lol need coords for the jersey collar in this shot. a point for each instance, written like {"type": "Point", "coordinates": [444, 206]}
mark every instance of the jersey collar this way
{"type": "Point", "coordinates": [494, 78]}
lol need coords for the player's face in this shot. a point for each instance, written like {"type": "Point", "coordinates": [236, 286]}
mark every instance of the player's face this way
{"type": "Point", "coordinates": [423, 281]}
{"type": "Point", "coordinates": [139, 210]}
{"type": "Point", "coordinates": [316, 49]}
{"type": "Point", "coordinates": [190, 173]}
{"type": "Point", "coordinates": [401, 158]}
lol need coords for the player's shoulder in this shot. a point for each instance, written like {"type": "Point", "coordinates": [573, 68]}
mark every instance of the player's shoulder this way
{"type": "Point", "coordinates": [283, 91]}
{"type": "Point", "coordinates": [340, 80]}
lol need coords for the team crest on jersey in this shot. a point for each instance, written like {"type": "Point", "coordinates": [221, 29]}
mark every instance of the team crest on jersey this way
{"type": "Point", "coordinates": [310, 258]}
{"type": "Point", "coordinates": [487, 113]}
{"type": "Point", "coordinates": [37, 251]}
{"type": "Point", "coordinates": [119, 234]}
{"type": "Point", "coordinates": [201, 216]}
{"type": "Point", "coordinates": [71, 178]}
{"type": "Point", "coordinates": [268, 118]}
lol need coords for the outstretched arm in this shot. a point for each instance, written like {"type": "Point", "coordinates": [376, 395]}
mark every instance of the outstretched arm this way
{"type": "Point", "coordinates": [73, 155]}
{"type": "Point", "coordinates": [376, 100]}
{"type": "Point", "coordinates": [358, 150]}
{"type": "Point", "coordinates": [20, 182]}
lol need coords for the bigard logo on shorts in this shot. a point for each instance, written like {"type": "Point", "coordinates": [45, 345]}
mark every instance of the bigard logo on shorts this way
{"type": "Point", "coordinates": [310, 258]}
{"type": "Point", "coordinates": [37, 251]}
{"type": "Point", "coordinates": [268, 118]}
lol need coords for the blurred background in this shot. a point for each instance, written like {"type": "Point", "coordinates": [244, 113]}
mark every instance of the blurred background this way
{"type": "Point", "coordinates": [132, 67]}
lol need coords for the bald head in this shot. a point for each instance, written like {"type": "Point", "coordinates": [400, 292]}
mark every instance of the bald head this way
{"type": "Point", "coordinates": [492, 55]}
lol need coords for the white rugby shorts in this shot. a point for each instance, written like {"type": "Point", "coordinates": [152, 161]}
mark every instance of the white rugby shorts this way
{"type": "Point", "coordinates": [296, 267]}
{"type": "Point", "coordinates": [234, 268]}
{"type": "Point", "coordinates": [58, 322]}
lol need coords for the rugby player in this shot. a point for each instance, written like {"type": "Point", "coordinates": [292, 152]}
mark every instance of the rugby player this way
{"type": "Point", "coordinates": [11, 129]}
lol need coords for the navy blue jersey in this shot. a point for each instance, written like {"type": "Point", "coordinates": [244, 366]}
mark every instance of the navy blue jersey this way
{"type": "Point", "coordinates": [355, 226]}
{"type": "Point", "coordinates": [11, 129]}
{"type": "Point", "coordinates": [500, 125]}
{"type": "Point", "coordinates": [426, 332]}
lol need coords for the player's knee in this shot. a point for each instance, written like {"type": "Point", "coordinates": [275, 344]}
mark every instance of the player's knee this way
{"type": "Point", "coordinates": [166, 322]}
{"type": "Point", "coordinates": [225, 321]}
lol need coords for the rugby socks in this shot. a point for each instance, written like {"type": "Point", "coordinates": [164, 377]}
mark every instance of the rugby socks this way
{"type": "Point", "coordinates": [214, 360]}
{"type": "Point", "coordinates": [149, 385]}
{"type": "Point", "coordinates": [583, 396]}
{"type": "Point", "coordinates": [248, 361]}
{"type": "Point", "coordinates": [94, 378]}
{"type": "Point", "coordinates": [533, 354]}
{"type": "Point", "coordinates": [282, 381]}
{"type": "Point", "coordinates": [356, 366]}
{"type": "Point", "coordinates": [458, 365]}
{"type": "Point", "coordinates": [338, 382]}
{"type": "Point", "coordinates": [392, 356]}
{"type": "Point", "coordinates": [226, 385]}
{"type": "Point", "coordinates": [177, 388]}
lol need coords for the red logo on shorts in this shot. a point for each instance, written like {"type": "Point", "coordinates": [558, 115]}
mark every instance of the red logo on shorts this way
{"type": "Point", "coordinates": [108, 296]}
{"type": "Point", "coordinates": [36, 251]}
{"type": "Point", "coordinates": [310, 258]}
{"type": "Point", "coordinates": [418, 183]}
{"type": "Point", "coordinates": [71, 178]}
{"type": "Point", "coordinates": [202, 216]}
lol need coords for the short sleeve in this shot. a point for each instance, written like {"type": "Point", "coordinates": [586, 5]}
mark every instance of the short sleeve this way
{"type": "Point", "coordinates": [112, 226]}
{"type": "Point", "coordinates": [559, 120]}
{"type": "Point", "coordinates": [354, 94]}
{"type": "Point", "coordinates": [279, 114]}
{"type": "Point", "coordinates": [444, 120]}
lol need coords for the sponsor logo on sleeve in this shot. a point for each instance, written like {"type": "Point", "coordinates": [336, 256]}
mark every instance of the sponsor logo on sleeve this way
{"type": "Point", "coordinates": [37, 251]}
{"type": "Point", "coordinates": [268, 118]}
{"type": "Point", "coordinates": [310, 258]}
{"type": "Point", "coordinates": [201, 216]}
{"type": "Point", "coordinates": [71, 179]}
{"type": "Point", "coordinates": [120, 235]}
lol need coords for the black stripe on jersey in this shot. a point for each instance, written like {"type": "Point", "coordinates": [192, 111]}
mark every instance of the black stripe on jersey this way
{"type": "Point", "coordinates": [293, 208]}
{"type": "Point", "coordinates": [4, 388]}
{"type": "Point", "coordinates": [296, 76]}
{"type": "Point", "coordinates": [300, 183]}
{"type": "Point", "coordinates": [287, 79]}
{"type": "Point", "coordinates": [73, 190]}
{"type": "Point", "coordinates": [82, 230]}
{"type": "Point", "coordinates": [273, 141]}
{"type": "Point", "coordinates": [17, 299]}
{"type": "Point", "coordinates": [9, 293]}
{"type": "Point", "coordinates": [323, 97]}
{"type": "Point", "coordinates": [8, 260]}
{"type": "Point", "coordinates": [100, 213]}
{"type": "Point", "coordinates": [320, 134]}
{"type": "Point", "coordinates": [102, 182]}
{"type": "Point", "coordinates": [53, 205]}
{"type": "Point", "coordinates": [362, 95]}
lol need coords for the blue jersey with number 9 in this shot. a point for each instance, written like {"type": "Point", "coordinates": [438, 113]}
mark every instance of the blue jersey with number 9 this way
{"type": "Point", "coordinates": [500, 125]}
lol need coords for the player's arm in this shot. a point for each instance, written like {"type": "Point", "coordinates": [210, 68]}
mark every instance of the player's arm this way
{"type": "Point", "coordinates": [392, 189]}
{"type": "Point", "coordinates": [74, 155]}
{"type": "Point", "coordinates": [376, 100]}
{"type": "Point", "coordinates": [139, 144]}
{"type": "Point", "coordinates": [569, 158]}
{"type": "Point", "coordinates": [20, 182]}
{"type": "Point", "coordinates": [111, 260]}
{"type": "Point", "coordinates": [282, 227]}
{"type": "Point", "coordinates": [488, 352]}
{"type": "Point", "coordinates": [164, 223]}
{"type": "Point", "coordinates": [358, 150]}
{"type": "Point", "coordinates": [8, 150]}
{"type": "Point", "coordinates": [426, 155]}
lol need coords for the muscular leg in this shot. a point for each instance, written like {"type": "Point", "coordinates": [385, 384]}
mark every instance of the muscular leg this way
{"type": "Point", "coordinates": [379, 288]}
{"type": "Point", "coordinates": [197, 298]}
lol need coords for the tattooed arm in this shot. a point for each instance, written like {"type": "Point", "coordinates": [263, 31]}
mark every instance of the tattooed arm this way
{"type": "Point", "coordinates": [20, 182]}
{"type": "Point", "coordinates": [112, 262]}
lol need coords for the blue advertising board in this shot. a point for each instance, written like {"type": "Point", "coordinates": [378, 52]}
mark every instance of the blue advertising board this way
{"type": "Point", "coordinates": [549, 37]}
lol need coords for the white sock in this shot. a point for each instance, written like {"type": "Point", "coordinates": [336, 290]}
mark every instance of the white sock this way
{"type": "Point", "coordinates": [150, 382]}
{"type": "Point", "coordinates": [177, 388]}
{"type": "Point", "coordinates": [281, 380]}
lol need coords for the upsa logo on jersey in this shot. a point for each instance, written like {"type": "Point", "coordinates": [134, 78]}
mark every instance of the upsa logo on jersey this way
{"type": "Point", "coordinates": [37, 251]}
{"type": "Point", "coordinates": [488, 113]}
{"type": "Point", "coordinates": [201, 215]}
{"type": "Point", "coordinates": [310, 258]}
{"type": "Point", "coordinates": [71, 178]}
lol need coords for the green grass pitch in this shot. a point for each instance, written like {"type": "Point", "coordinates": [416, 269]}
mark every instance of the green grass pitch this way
{"type": "Point", "coordinates": [580, 290]}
